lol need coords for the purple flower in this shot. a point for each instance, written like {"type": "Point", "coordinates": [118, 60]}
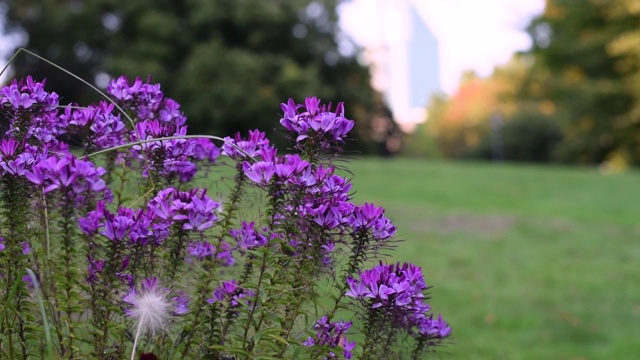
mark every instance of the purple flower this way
{"type": "Point", "coordinates": [26, 249]}
{"type": "Point", "coordinates": [116, 227]}
{"type": "Point", "coordinates": [201, 213]}
{"type": "Point", "coordinates": [316, 123]}
{"type": "Point", "coordinates": [204, 149]}
{"type": "Point", "coordinates": [31, 113]}
{"type": "Point", "coordinates": [17, 158]}
{"type": "Point", "coordinates": [73, 176]}
{"type": "Point", "coordinates": [146, 100]}
{"type": "Point", "coordinates": [121, 90]}
{"type": "Point", "coordinates": [182, 303]}
{"type": "Point", "coordinates": [247, 237]}
{"type": "Point", "coordinates": [395, 287]}
{"type": "Point", "coordinates": [229, 291]}
{"type": "Point", "coordinates": [227, 288]}
{"type": "Point", "coordinates": [348, 349]}
{"type": "Point", "coordinates": [239, 148]}
{"type": "Point", "coordinates": [141, 231]}
{"type": "Point", "coordinates": [97, 126]}
{"type": "Point", "coordinates": [259, 172]}
{"type": "Point", "coordinates": [12, 95]}
{"type": "Point", "coordinates": [332, 335]}
{"type": "Point", "coordinates": [202, 249]}
{"type": "Point", "coordinates": [434, 329]}
{"type": "Point", "coordinates": [193, 209]}
{"type": "Point", "coordinates": [8, 147]}
{"type": "Point", "coordinates": [369, 217]}
{"type": "Point", "coordinates": [29, 280]}
{"type": "Point", "coordinates": [94, 269]}
{"type": "Point", "coordinates": [170, 158]}
{"type": "Point", "coordinates": [290, 165]}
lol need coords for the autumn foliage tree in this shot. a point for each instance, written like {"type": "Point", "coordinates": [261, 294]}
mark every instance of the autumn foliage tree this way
{"type": "Point", "coordinates": [576, 89]}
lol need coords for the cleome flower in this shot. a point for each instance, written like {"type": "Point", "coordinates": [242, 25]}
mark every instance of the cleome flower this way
{"type": "Point", "coordinates": [394, 287]}
{"type": "Point", "coordinates": [316, 123]}
{"type": "Point", "coordinates": [332, 335]}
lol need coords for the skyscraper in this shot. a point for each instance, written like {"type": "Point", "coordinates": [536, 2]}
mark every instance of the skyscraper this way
{"type": "Point", "coordinates": [402, 52]}
{"type": "Point", "coordinates": [424, 72]}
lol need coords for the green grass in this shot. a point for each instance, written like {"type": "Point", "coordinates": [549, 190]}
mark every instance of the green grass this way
{"type": "Point", "coordinates": [526, 262]}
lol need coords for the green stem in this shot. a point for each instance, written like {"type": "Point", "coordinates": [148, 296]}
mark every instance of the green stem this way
{"type": "Point", "coordinates": [69, 277]}
{"type": "Point", "coordinates": [419, 347]}
{"type": "Point", "coordinates": [14, 196]}
{"type": "Point", "coordinates": [372, 334]}
{"type": "Point", "coordinates": [230, 209]}
{"type": "Point", "coordinates": [254, 304]}
{"type": "Point", "coordinates": [357, 258]}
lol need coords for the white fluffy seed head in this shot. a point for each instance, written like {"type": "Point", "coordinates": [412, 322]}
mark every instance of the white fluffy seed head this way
{"type": "Point", "coordinates": [150, 310]}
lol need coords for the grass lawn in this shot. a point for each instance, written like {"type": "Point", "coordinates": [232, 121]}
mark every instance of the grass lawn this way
{"type": "Point", "coordinates": [526, 262]}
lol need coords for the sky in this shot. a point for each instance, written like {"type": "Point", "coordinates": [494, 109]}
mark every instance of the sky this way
{"type": "Point", "coordinates": [471, 34]}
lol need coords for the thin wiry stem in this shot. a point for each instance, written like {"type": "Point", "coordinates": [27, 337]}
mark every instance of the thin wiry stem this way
{"type": "Point", "coordinates": [135, 340]}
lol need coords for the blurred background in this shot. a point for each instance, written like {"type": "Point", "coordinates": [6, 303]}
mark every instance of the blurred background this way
{"type": "Point", "coordinates": [530, 241]}
{"type": "Point", "coordinates": [517, 80]}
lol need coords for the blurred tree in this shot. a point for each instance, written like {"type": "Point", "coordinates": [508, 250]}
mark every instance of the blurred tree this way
{"type": "Point", "coordinates": [625, 47]}
{"type": "Point", "coordinates": [230, 63]}
{"type": "Point", "coordinates": [580, 79]}
{"type": "Point", "coordinates": [461, 122]}
{"type": "Point", "coordinates": [527, 136]}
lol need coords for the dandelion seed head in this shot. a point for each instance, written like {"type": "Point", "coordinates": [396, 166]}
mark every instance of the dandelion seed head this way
{"type": "Point", "coordinates": [150, 306]}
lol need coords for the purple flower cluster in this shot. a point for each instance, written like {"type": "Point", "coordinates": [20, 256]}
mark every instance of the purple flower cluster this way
{"type": "Point", "coordinates": [310, 209]}
{"type": "Point", "coordinates": [203, 249]}
{"type": "Point", "coordinates": [370, 218]}
{"type": "Point", "coordinates": [67, 173]}
{"type": "Point", "coordinates": [77, 179]}
{"type": "Point", "coordinates": [398, 286]}
{"type": "Point", "coordinates": [96, 126]}
{"type": "Point", "coordinates": [316, 123]}
{"type": "Point", "coordinates": [157, 116]}
{"type": "Point", "coordinates": [138, 226]}
{"type": "Point", "coordinates": [194, 210]}
{"type": "Point", "coordinates": [32, 113]}
{"type": "Point", "coordinates": [317, 201]}
{"type": "Point", "coordinates": [239, 148]}
{"type": "Point", "coordinates": [16, 158]}
{"type": "Point", "coordinates": [433, 328]}
{"type": "Point", "coordinates": [191, 211]}
{"type": "Point", "coordinates": [230, 291]}
{"type": "Point", "coordinates": [170, 158]}
{"type": "Point", "coordinates": [146, 100]}
{"type": "Point", "coordinates": [247, 237]}
{"type": "Point", "coordinates": [129, 228]}
{"type": "Point", "coordinates": [36, 125]}
{"type": "Point", "coordinates": [332, 335]}
{"type": "Point", "coordinates": [398, 291]}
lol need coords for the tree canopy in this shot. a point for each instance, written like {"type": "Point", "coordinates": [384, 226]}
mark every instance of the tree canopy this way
{"type": "Point", "coordinates": [576, 89]}
{"type": "Point", "coordinates": [229, 63]}
{"type": "Point", "coordinates": [576, 70]}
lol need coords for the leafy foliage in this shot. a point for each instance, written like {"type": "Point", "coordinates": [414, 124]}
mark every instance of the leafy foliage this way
{"type": "Point", "coordinates": [586, 81]}
{"type": "Point", "coordinates": [203, 52]}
